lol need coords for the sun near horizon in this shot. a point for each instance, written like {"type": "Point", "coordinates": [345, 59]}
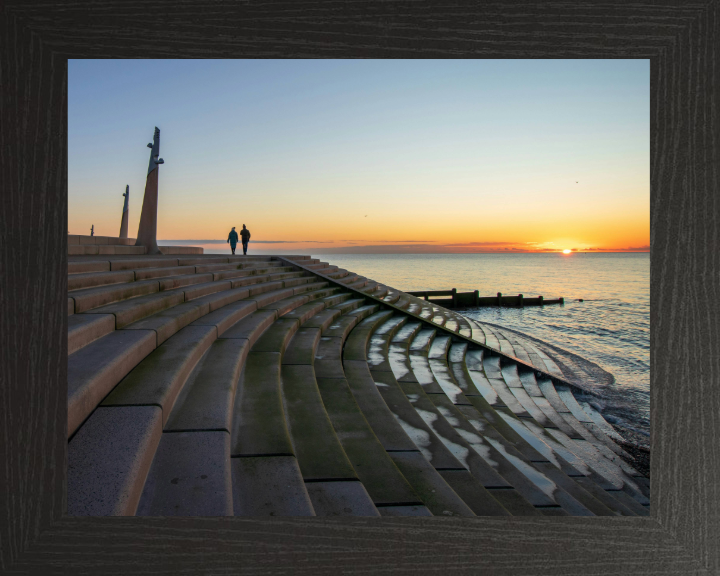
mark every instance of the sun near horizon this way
{"type": "Point", "coordinates": [373, 156]}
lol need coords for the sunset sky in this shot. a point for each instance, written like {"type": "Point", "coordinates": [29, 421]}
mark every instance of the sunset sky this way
{"type": "Point", "coordinates": [320, 156]}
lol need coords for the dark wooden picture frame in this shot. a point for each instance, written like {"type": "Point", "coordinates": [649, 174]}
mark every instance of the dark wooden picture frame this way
{"type": "Point", "coordinates": [682, 42]}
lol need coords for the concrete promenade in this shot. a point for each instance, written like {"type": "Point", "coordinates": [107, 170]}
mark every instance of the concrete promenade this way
{"type": "Point", "coordinates": [207, 385]}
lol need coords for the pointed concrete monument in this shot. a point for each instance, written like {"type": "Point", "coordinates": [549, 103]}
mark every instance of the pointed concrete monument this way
{"type": "Point", "coordinates": [124, 221]}
{"type": "Point", "coordinates": [147, 231]}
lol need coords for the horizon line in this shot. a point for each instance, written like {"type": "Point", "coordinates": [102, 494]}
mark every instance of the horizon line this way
{"type": "Point", "coordinates": [357, 249]}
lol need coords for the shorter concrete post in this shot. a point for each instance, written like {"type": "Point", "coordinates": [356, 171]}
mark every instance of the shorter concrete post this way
{"type": "Point", "coordinates": [562, 300]}
{"type": "Point", "coordinates": [520, 296]}
{"type": "Point", "coordinates": [476, 297]}
{"type": "Point", "coordinates": [124, 219]}
{"type": "Point", "coordinates": [499, 297]}
{"type": "Point", "coordinates": [454, 297]}
{"type": "Point", "coordinates": [541, 300]}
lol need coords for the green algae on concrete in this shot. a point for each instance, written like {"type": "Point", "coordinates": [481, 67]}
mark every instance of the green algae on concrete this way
{"type": "Point", "coordinates": [349, 305]}
{"type": "Point", "coordinates": [189, 476]}
{"type": "Point", "coordinates": [328, 363]}
{"type": "Point", "coordinates": [356, 347]}
{"type": "Point", "coordinates": [287, 304]}
{"type": "Point", "coordinates": [259, 424]}
{"type": "Point", "coordinates": [482, 413]}
{"type": "Point", "coordinates": [210, 287]}
{"type": "Point", "coordinates": [305, 312]}
{"type": "Point", "coordinates": [605, 496]}
{"type": "Point", "coordinates": [429, 485]}
{"type": "Point", "coordinates": [531, 408]}
{"type": "Point", "coordinates": [340, 499]}
{"type": "Point", "coordinates": [206, 400]}
{"type": "Point", "coordinates": [269, 486]}
{"type": "Point", "coordinates": [371, 462]}
{"type": "Point", "coordinates": [251, 326]}
{"type": "Point", "coordinates": [401, 511]}
{"type": "Point", "coordinates": [302, 347]}
{"type": "Point", "coordinates": [323, 319]}
{"type": "Point", "coordinates": [480, 500]}
{"type": "Point", "coordinates": [158, 378]}
{"type": "Point", "coordinates": [384, 424]}
{"type": "Point", "coordinates": [277, 336]}
{"type": "Point", "coordinates": [341, 327]}
{"type": "Point", "coordinates": [317, 447]}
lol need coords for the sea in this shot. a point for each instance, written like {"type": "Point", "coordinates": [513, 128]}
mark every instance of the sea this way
{"type": "Point", "coordinates": [601, 334]}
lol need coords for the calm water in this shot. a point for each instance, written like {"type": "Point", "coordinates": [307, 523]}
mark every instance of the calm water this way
{"type": "Point", "coordinates": [610, 328]}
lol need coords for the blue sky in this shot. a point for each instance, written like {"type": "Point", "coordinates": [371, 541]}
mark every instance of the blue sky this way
{"type": "Point", "coordinates": [366, 151]}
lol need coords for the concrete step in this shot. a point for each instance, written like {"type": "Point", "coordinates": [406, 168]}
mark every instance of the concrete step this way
{"type": "Point", "coordinates": [189, 476]}
{"type": "Point", "coordinates": [81, 239]}
{"type": "Point", "coordinates": [92, 279]}
{"type": "Point", "coordinates": [89, 298]}
{"type": "Point", "coordinates": [128, 302]}
{"type": "Point", "coordinates": [90, 249]}
{"type": "Point", "coordinates": [529, 441]}
{"type": "Point", "coordinates": [191, 471]}
{"type": "Point", "coordinates": [259, 427]}
{"type": "Point", "coordinates": [374, 467]}
{"type": "Point", "coordinates": [109, 459]}
{"type": "Point", "coordinates": [307, 311]}
{"type": "Point", "coordinates": [156, 381]}
{"type": "Point", "coordinates": [350, 304]}
{"type": "Point", "coordinates": [392, 430]}
{"type": "Point", "coordinates": [283, 394]}
{"type": "Point", "coordinates": [86, 328]}
{"type": "Point", "coordinates": [592, 436]}
{"type": "Point", "coordinates": [377, 352]}
{"type": "Point", "coordinates": [94, 370]}
{"type": "Point", "coordinates": [318, 450]}
{"type": "Point", "coordinates": [457, 383]}
{"type": "Point", "coordinates": [362, 282]}
{"type": "Point", "coordinates": [115, 264]}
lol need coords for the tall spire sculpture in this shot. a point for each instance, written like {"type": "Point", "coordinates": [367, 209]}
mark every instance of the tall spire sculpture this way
{"type": "Point", "coordinates": [147, 231]}
{"type": "Point", "coordinates": [124, 221]}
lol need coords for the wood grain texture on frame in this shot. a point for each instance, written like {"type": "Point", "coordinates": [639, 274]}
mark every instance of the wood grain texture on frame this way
{"type": "Point", "coordinates": [682, 40]}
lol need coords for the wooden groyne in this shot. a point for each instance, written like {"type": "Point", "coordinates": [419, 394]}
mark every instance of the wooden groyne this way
{"type": "Point", "coordinates": [193, 379]}
{"type": "Point", "coordinates": [464, 299]}
{"type": "Point", "coordinates": [258, 386]}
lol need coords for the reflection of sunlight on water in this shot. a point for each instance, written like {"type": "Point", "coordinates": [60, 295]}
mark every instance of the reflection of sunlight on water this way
{"type": "Point", "coordinates": [611, 327]}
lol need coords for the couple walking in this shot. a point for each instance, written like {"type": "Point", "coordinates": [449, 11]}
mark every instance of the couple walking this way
{"type": "Point", "coordinates": [233, 238]}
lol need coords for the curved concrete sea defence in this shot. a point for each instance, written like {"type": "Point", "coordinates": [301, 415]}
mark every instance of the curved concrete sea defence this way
{"type": "Point", "coordinates": [203, 385]}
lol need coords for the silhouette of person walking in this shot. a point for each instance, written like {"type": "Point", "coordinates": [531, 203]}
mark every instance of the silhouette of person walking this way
{"type": "Point", "coordinates": [233, 238]}
{"type": "Point", "coordinates": [245, 234]}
